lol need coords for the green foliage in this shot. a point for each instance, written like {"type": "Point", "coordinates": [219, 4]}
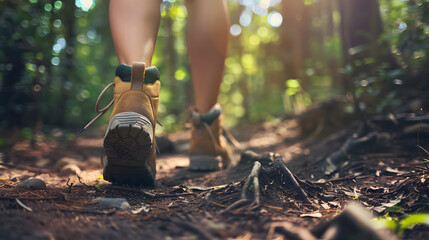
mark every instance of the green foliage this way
{"type": "Point", "coordinates": [399, 226]}
{"type": "Point", "coordinates": [407, 27]}
{"type": "Point", "coordinates": [57, 56]}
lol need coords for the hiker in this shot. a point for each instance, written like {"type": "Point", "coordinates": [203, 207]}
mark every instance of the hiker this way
{"type": "Point", "coordinates": [129, 141]}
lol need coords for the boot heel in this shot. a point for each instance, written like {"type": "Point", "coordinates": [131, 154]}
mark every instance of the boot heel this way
{"type": "Point", "coordinates": [128, 142]}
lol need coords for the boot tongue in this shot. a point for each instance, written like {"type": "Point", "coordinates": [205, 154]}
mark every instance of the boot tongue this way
{"type": "Point", "coordinates": [124, 73]}
{"type": "Point", "coordinates": [212, 115]}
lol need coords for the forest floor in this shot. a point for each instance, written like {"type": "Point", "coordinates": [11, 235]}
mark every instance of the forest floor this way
{"type": "Point", "coordinates": [384, 172]}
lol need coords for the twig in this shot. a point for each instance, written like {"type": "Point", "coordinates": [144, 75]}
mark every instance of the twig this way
{"type": "Point", "coordinates": [244, 199]}
{"type": "Point", "coordinates": [290, 178]}
{"type": "Point", "coordinates": [23, 205]}
{"type": "Point", "coordinates": [107, 212]}
{"type": "Point", "coordinates": [253, 177]}
{"type": "Point", "coordinates": [151, 195]}
{"type": "Point", "coordinates": [217, 204]}
{"type": "Point", "coordinates": [80, 180]}
{"type": "Point", "coordinates": [69, 185]}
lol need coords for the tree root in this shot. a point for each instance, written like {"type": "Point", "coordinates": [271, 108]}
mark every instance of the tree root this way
{"type": "Point", "coordinates": [244, 198]}
{"type": "Point", "coordinates": [353, 144]}
{"type": "Point", "coordinates": [275, 172]}
{"type": "Point", "coordinates": [288, 180]}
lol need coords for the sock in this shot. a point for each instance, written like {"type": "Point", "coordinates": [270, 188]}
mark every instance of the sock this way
{"type": "Point", "coordinates": [124, 73]}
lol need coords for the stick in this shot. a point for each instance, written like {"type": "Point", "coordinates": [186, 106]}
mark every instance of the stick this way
{"type": "Point", "coordinates": [151, 195]}
{"type": "Point", "coordinates": [244, 200]}
{"type": "Point", "coordinates": [290, 178]}
{"type": "Point", "coordinates": [23, 205]}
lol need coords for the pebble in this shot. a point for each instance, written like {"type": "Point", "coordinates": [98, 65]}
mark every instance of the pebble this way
{"type": "Point", "coordinates": [69, 169]}
{"type": "Point", "coordinates": [119, 203]}
{"type": "Point", "coordinates": [34, 184]}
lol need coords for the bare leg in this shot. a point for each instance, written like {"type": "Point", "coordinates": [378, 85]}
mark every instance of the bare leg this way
{"type": "Point", "coordinates": [208, 25]}
{"type": "Point", "coordinates": [134, 25]}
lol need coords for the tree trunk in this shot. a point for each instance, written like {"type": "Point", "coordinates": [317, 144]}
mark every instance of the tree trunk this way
{"type": "Point", "coordinates": [361, 28]}
{"type": "Point", "coordinates": [295, 32]}
{"type": "Point", "coordinates": [67, 61]}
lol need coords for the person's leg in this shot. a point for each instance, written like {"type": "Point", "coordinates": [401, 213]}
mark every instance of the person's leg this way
{"type": "Point", "coordinates": [134, 25]}
{"type": "Point", "coordinates": [208, 25]}
{"type": "Point", "coordinates": [208, 28]}
{"type": "Point", "coordinates": [129, 141]}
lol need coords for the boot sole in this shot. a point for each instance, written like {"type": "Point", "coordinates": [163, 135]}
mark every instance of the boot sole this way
{"type": "Point", "coordinates": [204, 163]}
{"type": "Point", "coordinates": [128, 143]}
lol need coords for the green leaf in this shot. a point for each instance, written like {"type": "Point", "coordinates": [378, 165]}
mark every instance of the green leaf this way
{"type": "Point", "coordinates": [394, 209]}
{"type": "Point", "coordinates": [292, 83]}
{"type": "Point", "coordinates": [412, 220]}
{"type": "Point", "coordinates": [385, 222]}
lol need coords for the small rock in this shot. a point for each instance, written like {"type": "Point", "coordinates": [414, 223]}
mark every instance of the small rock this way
{"type": "Point", "coordinates": [70, 169]}
{"type": "Point", "coordinates": [15, 179]}
{"type": "Point", "coordinates": [34, 184]}
{"type": "Point", "coordinates": [119, 203]}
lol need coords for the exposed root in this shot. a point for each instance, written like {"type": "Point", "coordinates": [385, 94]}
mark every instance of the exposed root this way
{"type": "Point", "coordinates": [333, 161]}
{"type": "Point", "coordinates": [287, 179]}
{"type": "Point", "coordinates": [253, 178]}
{"type": "Point", "coordinates": [275, 172]}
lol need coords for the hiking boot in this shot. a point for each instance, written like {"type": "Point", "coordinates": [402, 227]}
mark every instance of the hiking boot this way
{"type": "Point", "coordinates": [208, 147]}
{"type": "Point", "coordinates": [129, 141]}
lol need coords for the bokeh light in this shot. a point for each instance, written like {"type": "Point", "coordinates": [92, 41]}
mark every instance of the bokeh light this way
{"type": "Point", "coordinates": [275, 19]}
{"type": "Point", "coordinates": [235, 30]}
{"type": "Point", "coordinates": [61, 42]}
{"type": "Point", "coordinates": [56, 48]}
{"type": "Point", "coordinates": [55, 61]}
{"type": "Point", "coordinates": [85, 5]}
{"type": "Point", "coordinates": [245, 19]}
{"type": "Point", "coordinates": [57, 23]}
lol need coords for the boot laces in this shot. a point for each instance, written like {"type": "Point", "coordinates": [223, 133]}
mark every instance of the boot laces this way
{"type": "Point", "coordinates": [99, 111]}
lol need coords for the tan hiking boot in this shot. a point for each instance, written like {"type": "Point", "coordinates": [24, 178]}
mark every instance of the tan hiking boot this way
{"type": "Point", "coordinates": [208, 147]}
{"type": "Point", "coordinates": [129, 141]}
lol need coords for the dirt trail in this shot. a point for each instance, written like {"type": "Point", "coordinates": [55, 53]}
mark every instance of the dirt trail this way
{"type": "Point", "coordinates": [195, 205]}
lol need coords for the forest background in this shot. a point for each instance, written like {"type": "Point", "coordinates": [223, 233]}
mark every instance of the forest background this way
{"type": "Point", "coordinates": [57, 56]}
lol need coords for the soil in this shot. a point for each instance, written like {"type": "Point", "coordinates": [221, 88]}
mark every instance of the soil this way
{"type": "Point", "coordinates": [197, 205]}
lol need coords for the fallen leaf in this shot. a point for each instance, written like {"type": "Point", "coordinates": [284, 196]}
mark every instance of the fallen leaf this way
{"type": "Point", "coordinates": [142, 209]}
{"type": "Point", "coordinates": [396, 171]}
{"type": "Point", "coordinates": [325, 206]}
{"type": "Point", "coordinates": [314, 215]}
{"type": "Point", "coordinates": [384, 206]}
{"type": "Point", "coordinates": [199, 188]}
